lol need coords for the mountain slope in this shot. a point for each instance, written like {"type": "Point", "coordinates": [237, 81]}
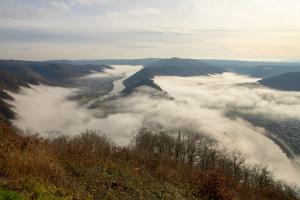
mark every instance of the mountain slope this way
{"type": "Point", "coordinates": [33, 71]}
{"type": "Point", "coordinates": [169, 67]}
{"type": "Point", "coordinates": [288, 81]}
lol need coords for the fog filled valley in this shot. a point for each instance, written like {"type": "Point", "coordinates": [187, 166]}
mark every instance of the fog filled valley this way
{"type": "Point", "coordinates": [149, 100]}
{"type": "Point", "coordinates": [177, 97]}
{"type": "Point", "coordinates": [214, 106]}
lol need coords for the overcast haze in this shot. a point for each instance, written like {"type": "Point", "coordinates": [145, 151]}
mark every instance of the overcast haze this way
{"type": "Point", "coordinates": [231, 29]}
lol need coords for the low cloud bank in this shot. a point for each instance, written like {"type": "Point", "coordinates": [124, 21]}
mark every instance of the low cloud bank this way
{"type": "Point", "coordinates": [229, 91]}
{"type": "Point", "coordinates": [46, 110]}
{"type": "Point", "coordinates": [200, 103]}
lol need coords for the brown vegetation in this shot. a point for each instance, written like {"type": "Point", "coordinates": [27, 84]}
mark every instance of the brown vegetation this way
{"type": "Point", "coordinates": [153, 166]}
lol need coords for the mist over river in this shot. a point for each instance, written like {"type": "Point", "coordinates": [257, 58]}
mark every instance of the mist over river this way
{"type": "Point", "coordinates": [200, 103]}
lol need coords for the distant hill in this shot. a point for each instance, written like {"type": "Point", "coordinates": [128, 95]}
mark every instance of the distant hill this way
{"type": "Point", "coordinates": [259, 69]}
{"type": "Point", "coordinates": [45, 72]}
{"type": "Point", "coordinates": [16, 73]}
{"type": "Point", "coordinates": [294, 60]}
{"type": "Point", "coordinates": [265, 71]}
{"type": "Point", "coordinates": [142, 61]}
{"type": "Point", "coordinates": [236, 64]}
{"type": "Point", "coordinates": [288, 81]}
{"type": "Point", "coordinates": [169, 67]}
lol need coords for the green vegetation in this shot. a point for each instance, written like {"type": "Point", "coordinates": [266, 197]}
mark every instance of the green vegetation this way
{"type": "Point", "coordinates": [153, 166]}
{"type": "Point", "coordinates": [10, 195]}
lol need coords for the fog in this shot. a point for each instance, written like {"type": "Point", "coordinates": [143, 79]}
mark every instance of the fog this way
{"type": "Point", "coordinates": [121, 71]}
{"type": "Point", "coordinates": [199, 103]}
{"type": "Point", "coordinates": [230, 91]}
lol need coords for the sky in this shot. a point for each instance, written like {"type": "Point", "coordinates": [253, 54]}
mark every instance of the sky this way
{"type": "Point", "coordinates": [91, 29]}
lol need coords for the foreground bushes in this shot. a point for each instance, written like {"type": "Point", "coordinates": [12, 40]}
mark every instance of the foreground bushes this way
{"type": "Point", "coordinates": [211, 173]}
{"type": "Point", "coordinates": [154, 166]}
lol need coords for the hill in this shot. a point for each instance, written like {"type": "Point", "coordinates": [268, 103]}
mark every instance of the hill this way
{"type": "Point", "coordinates": [142, 61]}
{"type": "Point", "coordinates": [169, 67]}
{"type": "Point", "coordinates": [45, 72]}
{"type": "Point", "coordinates": [261, 69]}
{"type": "Point", "coordinates": [252, 68]}
{"type": "Point", "coordinates": [256, 68]}
{"type": "Point", "coordinates": [266, 71]}
{"type": "Point", "coordinates": [234, 65]}
{"type": "Point", "coordinates": [288, 81]}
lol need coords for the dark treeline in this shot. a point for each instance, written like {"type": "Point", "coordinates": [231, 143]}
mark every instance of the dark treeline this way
{"type": "Point", "coordinates": [156, 165]}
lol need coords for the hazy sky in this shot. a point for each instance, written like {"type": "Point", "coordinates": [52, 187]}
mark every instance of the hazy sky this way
{"type": "Point", "coordinates": [243, 29]}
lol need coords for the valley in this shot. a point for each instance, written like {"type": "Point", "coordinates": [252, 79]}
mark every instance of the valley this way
{"type": "Point", "coordinates": [231, 109]}
{"type": "Point", "coordinates": [149, 100]}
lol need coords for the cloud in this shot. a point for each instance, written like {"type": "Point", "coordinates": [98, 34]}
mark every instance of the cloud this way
{"type": "Point", "coordinates": [55, 113]}
{"type": "Point", "coordinates": [233, 92]}
{"type": "Point", "coordinates": [59, 6]}
{"type": "Point", "coordinates": [86, 2]}
{"type": "Point", "coordinates": [209, 28]}
{"type": "Point", "coordinates": [16, 10]}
